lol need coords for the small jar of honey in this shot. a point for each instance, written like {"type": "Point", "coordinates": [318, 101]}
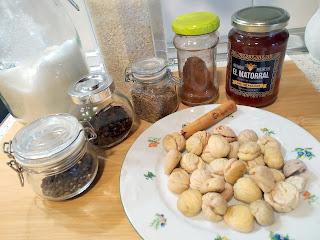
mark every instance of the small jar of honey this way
{"type": "Point", "coordinates": [257, 46]}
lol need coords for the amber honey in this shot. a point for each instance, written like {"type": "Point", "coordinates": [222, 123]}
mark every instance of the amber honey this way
{"type": "Point", "coordinates": [257, 47]}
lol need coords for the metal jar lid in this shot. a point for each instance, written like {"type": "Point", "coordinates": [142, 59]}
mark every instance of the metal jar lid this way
{"type": "Point", "coordinates": [93, 88]}
{"type": "Point", "coordinates": [47, 140]}
{"type": "Point", "coordinates": [260, 19]}
{"type": "Point", "coordinates": [148, 70]}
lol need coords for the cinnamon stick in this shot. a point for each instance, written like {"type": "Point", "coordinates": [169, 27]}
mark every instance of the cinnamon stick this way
{"type": "Point", "coordinates": [209, 119]}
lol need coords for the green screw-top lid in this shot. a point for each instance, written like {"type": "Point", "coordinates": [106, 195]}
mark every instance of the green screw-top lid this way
{"type": "Point", "coordinates": [195, 23]}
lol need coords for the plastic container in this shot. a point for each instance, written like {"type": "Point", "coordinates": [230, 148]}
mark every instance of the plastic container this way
{"type": "Point", "coordinates": [257, 47]}
{"type": "Point", "coordinates": [55, 155]}
{"type": "Point", "coordinates": [196, 40]}
{"type": "Point", "coordinates": [109, 112]}
{"type": "Point", "coordinates": [154, 92]}
{"type": "Point", "coordinates": [40, 57]}
{"type": "Point", "coordinates": [312, 35]}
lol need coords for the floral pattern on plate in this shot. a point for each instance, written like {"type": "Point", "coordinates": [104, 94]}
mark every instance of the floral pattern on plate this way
{"type": "Point", "coordinates": [311, 198]}
{"type": "Point", "coordinates": [149, 175]}
{"type": "Point", "coordinates": [184, 125]}
{"type": "Point", "coordinates": [219, 237]}
{"type": "Point", "coordinates": [267, 131]}
{"type": "Point", "coordinates": [158, 221]}
{"type": "Point", "coordinates": [153, 142]}
{"type": "Point", "coordinates": [277, 236]}
{"type": "Point", "coordinates": [304, 153]}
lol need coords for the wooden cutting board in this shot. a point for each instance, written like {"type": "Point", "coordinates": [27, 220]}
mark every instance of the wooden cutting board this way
{"type": "Point", "coordinates": [98, 214]}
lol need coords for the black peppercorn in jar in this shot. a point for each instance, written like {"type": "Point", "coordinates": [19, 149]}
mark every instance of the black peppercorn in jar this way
{"type": "Point", "coordinates": [109, 112]}
{"type": "Point", "coordinates": [153, 91]}
{"type": "Point", "coordinates": [257, 47]}
{"type": "Point", "coordinates": [55, 155]}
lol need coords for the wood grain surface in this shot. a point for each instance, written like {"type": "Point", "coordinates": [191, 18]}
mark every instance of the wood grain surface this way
{"type": "Point", "coordinates": [98, 214]}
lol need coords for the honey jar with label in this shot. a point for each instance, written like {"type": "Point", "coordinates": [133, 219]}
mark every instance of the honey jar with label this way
{"type": "Point", "coordinates": [257, 46]}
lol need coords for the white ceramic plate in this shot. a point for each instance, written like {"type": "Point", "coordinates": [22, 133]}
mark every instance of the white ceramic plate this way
{"type": "Point", "coordinates": [151, 207]}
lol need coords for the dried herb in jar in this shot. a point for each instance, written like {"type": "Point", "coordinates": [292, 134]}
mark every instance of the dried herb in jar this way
{"type": "Point", "coordinates": [198, 82]}
{"type": "Point", "coordinates": [111, 125]}
{"type": "Point", "coordinates": [153, 93]}
{"type": "Point", "coordinates": [152, 103]}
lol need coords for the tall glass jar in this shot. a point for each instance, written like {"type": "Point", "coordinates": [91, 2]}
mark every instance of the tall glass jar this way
{"type": "Point", "coordinates": [55, 155]}
{"type": "Point", "coordinates": [153, 91]}
{"type": "Point", "coordinates": [109, 112]}
{"type": "Point", "coordinates": [40, 57]}
{"type": "Point", "coordinates": [196, 40]}
{"type": "Point", "coordinates": [257, 48]}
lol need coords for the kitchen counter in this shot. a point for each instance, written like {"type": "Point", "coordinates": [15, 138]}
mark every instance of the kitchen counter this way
{"type": "Point", "coordinates": [98, 214]}
{"type": "Point", "coordinates": [309, 67]}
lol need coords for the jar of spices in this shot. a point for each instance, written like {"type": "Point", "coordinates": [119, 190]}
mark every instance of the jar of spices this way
{"type": "Point", "coordinates": [108, 111]}
{"type": "Point", "coordinates": [55, 155]}
{"type": "Point", "coordinates": [196, 40]}
{"type": "Point", "coordinates": [257, 46]}
{"type": "Point", "coordinates": [153, 91]}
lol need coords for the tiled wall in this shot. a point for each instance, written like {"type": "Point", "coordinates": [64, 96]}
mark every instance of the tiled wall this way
{"type": "Point", "coordinates": [129, 29]}
{"type": "Point", "coordinates": [299, 10]}
{"type": "Point", "coordinates": [173, 8]}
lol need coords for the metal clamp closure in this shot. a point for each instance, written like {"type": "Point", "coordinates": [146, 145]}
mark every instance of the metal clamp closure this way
{"type": "Point", "coordinates": [176, 80]}
{"type": "Point", "coordinates": [13, 163]}
{"type": "Point", "coordinates": [128, 75]}
{"type": "Point", "coordinates": [172, 62]}
{"type": "Point", "coordinates": [89, 131]}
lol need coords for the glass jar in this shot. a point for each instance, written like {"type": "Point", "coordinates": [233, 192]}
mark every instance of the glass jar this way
{"type": "Point", "coordinates": [257, 47]}
{"type": "Point", "coordinates": [40, 57]}
{"type": "Point", "coordinates": [153, 91]}
{"type": "Point", "coordinates": [196, 40]}
{"type": "Point", "coordinates": [108, 111]}
{"type": "Point", "coordinates": [54, 154]}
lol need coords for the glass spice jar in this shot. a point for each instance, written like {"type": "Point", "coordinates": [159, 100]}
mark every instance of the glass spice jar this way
{"type": "Point", "coordinates": [108, 111]}
{"type": "Point", "coordinates": [257, 47]}
{"type": "Point", "coordinates": [55, 155]}
{"type": "Point", "coordinates": [196, 40]}
{"type": "Point", "coordinates": [153, 91]}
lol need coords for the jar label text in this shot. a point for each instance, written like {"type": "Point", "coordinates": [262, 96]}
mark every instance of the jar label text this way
{"type": "Point", "coordinates": [253, 75]}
